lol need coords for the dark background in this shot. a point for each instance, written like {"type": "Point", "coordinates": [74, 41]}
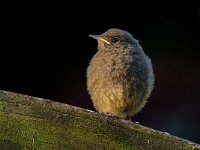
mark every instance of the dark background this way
{"type": "Point", "coordinates": [45, 51]}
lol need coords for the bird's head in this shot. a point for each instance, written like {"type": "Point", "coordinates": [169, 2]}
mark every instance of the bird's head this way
{"type": "Point", "coordinates": [114, 39]}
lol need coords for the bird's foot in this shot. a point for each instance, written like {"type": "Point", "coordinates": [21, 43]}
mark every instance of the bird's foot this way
{"type": "Point", "coordinates": [109, 115]}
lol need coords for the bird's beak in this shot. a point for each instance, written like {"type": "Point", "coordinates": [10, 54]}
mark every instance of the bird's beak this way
{"type": "Point", "coordinates": [98, 38]}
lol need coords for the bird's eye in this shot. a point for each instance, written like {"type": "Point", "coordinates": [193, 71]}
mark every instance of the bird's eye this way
{"type": "Point", "coordinates": [115, 40]}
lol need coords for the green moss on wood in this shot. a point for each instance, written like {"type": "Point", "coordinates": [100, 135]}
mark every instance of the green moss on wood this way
{"type": "Point", "coordinates": [34, 123]}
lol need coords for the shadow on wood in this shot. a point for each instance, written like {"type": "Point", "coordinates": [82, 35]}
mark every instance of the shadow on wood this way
{"type": "Point", "coordinates": [33, 123]}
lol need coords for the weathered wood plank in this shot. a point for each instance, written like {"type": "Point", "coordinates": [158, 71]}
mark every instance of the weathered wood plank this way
{"type": "Point", "coordinates": [34, 123]}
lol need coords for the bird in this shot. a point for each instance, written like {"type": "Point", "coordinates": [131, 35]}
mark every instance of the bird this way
{"type": "Point", "coordinates": [120, 75]}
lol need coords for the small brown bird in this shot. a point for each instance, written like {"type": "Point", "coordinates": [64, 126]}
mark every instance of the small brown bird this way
{"type": "Point", "coordinates": [120, 76]}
